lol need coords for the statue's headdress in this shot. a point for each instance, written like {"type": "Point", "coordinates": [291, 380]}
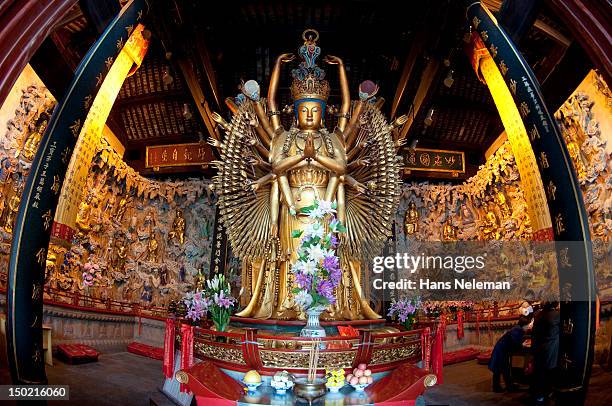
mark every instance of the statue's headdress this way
{"type": "Point", "coordinates": [308, 79]}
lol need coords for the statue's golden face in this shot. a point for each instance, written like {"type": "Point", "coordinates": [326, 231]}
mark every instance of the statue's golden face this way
{"type": "Point", "coordinates": [309, 115]}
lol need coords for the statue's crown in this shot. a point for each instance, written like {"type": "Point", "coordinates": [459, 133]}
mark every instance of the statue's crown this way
{"type": "Point", "coordinates": [308, 78]}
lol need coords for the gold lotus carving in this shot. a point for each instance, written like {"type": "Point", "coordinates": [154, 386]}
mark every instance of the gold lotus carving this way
{"type": "Point", "coordinates": [388, 355]}
{"type": "Point", "coordinates": [284, 359]}
{"type": "Point", "coordinates": [233, 355]}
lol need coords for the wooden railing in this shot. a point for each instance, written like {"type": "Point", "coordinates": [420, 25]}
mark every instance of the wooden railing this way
{"type": "Point", "coordinates": [248, 349]}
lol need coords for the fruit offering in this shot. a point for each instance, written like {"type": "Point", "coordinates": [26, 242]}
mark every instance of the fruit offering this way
{"type": "Point", "coordinates": [335, 379]}
{"type": "Point", "coordinates": [360, 378]}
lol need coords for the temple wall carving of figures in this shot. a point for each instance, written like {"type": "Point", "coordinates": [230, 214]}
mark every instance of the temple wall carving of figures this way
{"type": "Point", "coordinates": [138, 239]}
{"type": "Point", "coordinates": [24, 117]}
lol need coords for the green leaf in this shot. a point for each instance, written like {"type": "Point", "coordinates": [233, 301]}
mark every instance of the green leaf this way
{"type": "Point", "coordinates": [295, 291]}
{"type": "Point", "coordinates": [308, 209]}
{"type": "Point", "coordinates": [296, 233]}
{"type": "Point", "coordinates": [341, 228]}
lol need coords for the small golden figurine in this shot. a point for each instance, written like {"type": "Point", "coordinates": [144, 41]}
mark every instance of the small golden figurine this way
{"type": "Point", "coordinates": [491, 230]}
{"type": "Point", "coordinates": [121, 208]}
{"type": "Point", "coordinates": [449, 231]}
{"type": "Point", "coordinates": [411, 221]}
{"type": "Point", "coordinates": [84, 213]}
{"type": "Point", "coordinates": [152, 247]}
{"type": "Point", "coordinates": [502, 202]}
{"type": "Point", "coordinates": [121, 256]}
{"type": "Point", "coordinates": [574, 151]}
{"type": "Point", "coordinates": [13, 208]}
{"type": "Point", "coordinates": [178, 228]}
{"type": "Point", "coordinates": [31, 144]}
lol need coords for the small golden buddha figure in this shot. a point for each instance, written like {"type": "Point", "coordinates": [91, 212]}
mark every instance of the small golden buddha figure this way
{"type": "Point", "coordinates": [121, 208]}
{"type": "Point", "coordinates": [152, 247]}
{"type": "Point", "coordinates": [83, 217]}
{"type": "Point", "coordinates": [13, 208]}
{"type": "Point", "coordinates": [178, 228]}
{"type": "Point", "coordinates": [31, 144]}
{"type": "Point", "coordinates": [449, 231]}
{"type": "Point", "coordinates": [502, 202]}
{"type": "Point", "coordinates": [200, 280]}
{"type": "Point", "coordinates": [491, 227]}
{"type": "Point", "coordinates": [121, 257]}
{"type": "Point", "coordinates": [574, 150]}
{"type": "Point", "coordinates": [411, 221]}
{"type": "Point", "coordinates": [50, 266]}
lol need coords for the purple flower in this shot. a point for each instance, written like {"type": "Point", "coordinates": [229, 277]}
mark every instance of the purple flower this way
{"type": "Point", "coordinates": [223, 301]}
{"type": "Point", "coordinates": [330, 262]}
{"type": "Point", "coordinates": [302, 280]}
{"type": "Point", "coordinates": [333, 240]}
{"type": "Point", "coordinates": [335, 275]}
{"type": "Point", "coordinates": [326, 290]}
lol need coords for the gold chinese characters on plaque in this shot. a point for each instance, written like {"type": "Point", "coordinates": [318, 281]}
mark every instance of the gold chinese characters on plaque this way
{"type": "Point", "coordinates": [434, 160]}
{"type": "Point", "coordinates": [196, 153]}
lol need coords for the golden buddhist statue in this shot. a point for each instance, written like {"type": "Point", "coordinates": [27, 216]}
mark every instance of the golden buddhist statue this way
{"type": "Point", "coordinates": [85, 209]}
{"type": "Point", "coordinates": [152, 247]}
{"type": "Point", "coordinates": [13, 208]}
{"type": "Point", "coordinates": [178, 228]}
{"type": "Point", "coordinates": [574, 150]}
{"type": "Point", "coordinates": [411, 221]}
{"type": "Point", "coordinates": [31, 144]}
{"type": "Point", "coordinates": [491, 229]}
{"type": "Point", "coordinates": [267, 174]}
{"type": "Point", "coordinates": [121, 208]}
{"type": "Point", "coordinates": [502, 202]}
{"type": "Point", "coordinates": [449, 231]}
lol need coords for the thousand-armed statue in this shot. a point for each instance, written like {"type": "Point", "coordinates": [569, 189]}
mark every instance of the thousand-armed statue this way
{"type": "Point", "coordinates": [268, 173]}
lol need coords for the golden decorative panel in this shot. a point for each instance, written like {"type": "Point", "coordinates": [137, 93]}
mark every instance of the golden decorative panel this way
{"type": "Point", "coordinates": [294, 359]}
{"type": "Point", "coordinates": [388, 355]}
{"type": "Point", "coordinates": [226, 354]}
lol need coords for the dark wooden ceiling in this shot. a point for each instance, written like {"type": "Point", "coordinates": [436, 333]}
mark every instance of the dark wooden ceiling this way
{"type": "Point", "coordinates": [223, 43]}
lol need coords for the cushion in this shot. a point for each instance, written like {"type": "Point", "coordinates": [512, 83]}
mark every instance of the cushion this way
{"type": "Point", "coordinates": [465, 354]}
{"type": "Point", "coordinates": [77, 353]}
{"type": "Point", "coordinates": [484, 357]}
{"type": "Point", "coordinates": [146, 350]}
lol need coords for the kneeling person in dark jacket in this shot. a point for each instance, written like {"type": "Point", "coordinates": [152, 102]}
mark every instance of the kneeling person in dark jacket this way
{"type": "Point", "coordinates": [510, 342]}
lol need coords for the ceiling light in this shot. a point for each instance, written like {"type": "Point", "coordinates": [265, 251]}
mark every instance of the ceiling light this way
{"type": "Point", "coordinates": [167, 77]}
{"type": "Point", "coordinates": [413, 143]}
{"type": "Point", "coordinates": [429, 119]}
{"type": "Point", "coordinates": [448, 81]}
{"type": "Point", "coordinates": [186, 111]}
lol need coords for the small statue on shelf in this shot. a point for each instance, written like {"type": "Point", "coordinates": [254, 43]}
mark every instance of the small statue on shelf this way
{"type": "Point", "coordinates": [122, 251]}
{"type": "Point", "coordinates": [449, 231]}
{"type": "Point", "coordinates": [502, 202]}
{"type": "Point", "coordinates": [31, 144]}
{"type": "Point", "coordinates": [411, 221]}
{"type": "Point", "coordinates": [491, 230]}
{"type": "Point", "coordinates": [178, 228]}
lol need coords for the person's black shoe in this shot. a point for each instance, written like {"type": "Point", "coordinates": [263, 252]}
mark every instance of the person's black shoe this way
{"type": "Point", "coordinates": [498, 389]}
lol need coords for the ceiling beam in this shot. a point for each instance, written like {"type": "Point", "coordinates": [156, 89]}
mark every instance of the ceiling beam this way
{"type": "Point", "coordinates": [198, 96]}
{"type": "Point", "coordinates": [204, 54]}
{"type": "Point", "coordinates": [148, 98]}
{"type": "Point", "coordinates": [411, 59]}
{"type": "Point", "coordinates": [427, 79]}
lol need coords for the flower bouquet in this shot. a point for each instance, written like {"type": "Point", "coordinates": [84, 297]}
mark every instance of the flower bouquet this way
{"type": "Point", "coordinates": [215, 299]}
{"type": "Point", "coordinates": [220, 301]}
{"type": "Point", "coordinates": [405, 310]}
{"type": "Point", "coordinates": [317, 271]}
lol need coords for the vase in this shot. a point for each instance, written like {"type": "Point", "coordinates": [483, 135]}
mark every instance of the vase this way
{"type": "Point", "coordinates": [313, 326]}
